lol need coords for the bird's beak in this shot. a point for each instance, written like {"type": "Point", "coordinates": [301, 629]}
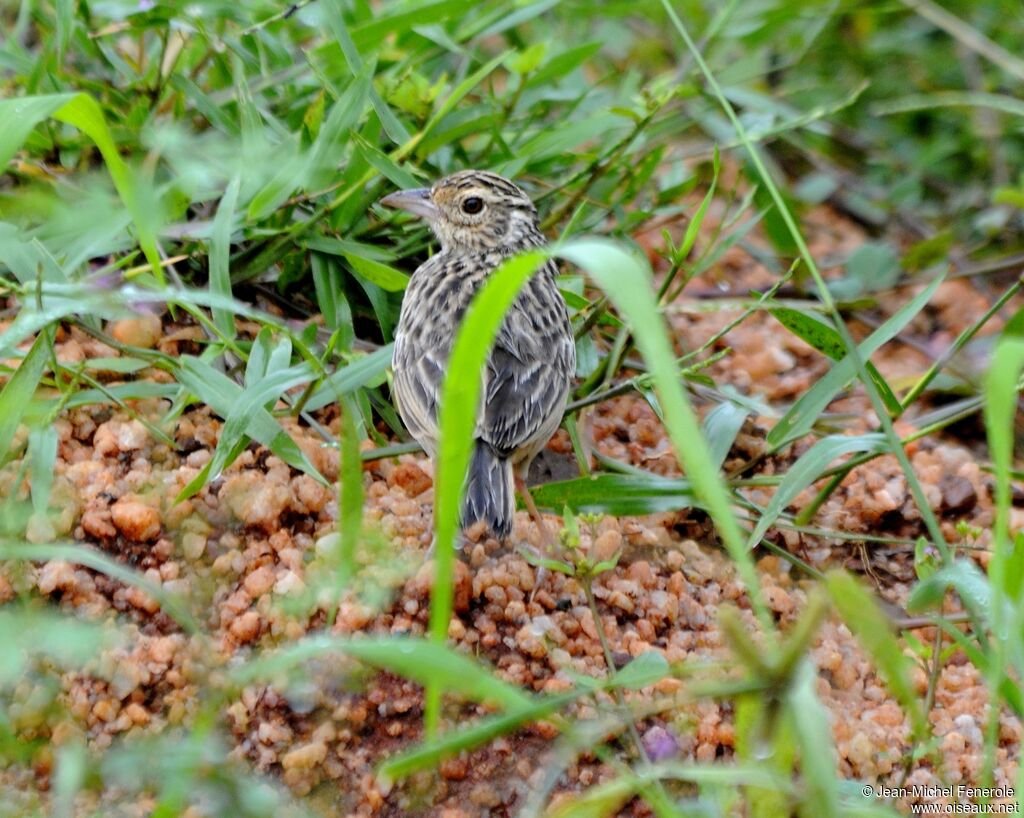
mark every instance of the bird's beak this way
{"type": "Point", "coordinates": [417, 201]}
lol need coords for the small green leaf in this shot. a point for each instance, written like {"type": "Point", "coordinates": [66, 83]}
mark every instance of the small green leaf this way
{"type": "Point", "coordinates": [643, 671]}
{"type": "Point", "coordinates": [617, 494]}
{"type": "Point", "coordinates": [220, 252]}
{"type": "Point", "coordinates": [721, 425]}
{"type": "Point", "coordinates": [966, 579]}
{"type": "Point", "coordinates": [525, 61]}
{"type": "Point", "coordinates": [18, 391]}
{"type": "Point", "coordinates": [818, 759]}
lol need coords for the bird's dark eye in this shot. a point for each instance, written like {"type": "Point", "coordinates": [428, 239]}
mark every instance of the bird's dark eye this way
{"type": "Point", "coordinates": [472, 205]}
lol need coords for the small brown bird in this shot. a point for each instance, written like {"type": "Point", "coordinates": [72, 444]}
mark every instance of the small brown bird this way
{"type": "Point", "coordinates": [481, 219]}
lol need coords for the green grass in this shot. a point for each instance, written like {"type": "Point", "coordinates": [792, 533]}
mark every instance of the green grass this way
{"type": "Point", "coordinates": [224, 160]}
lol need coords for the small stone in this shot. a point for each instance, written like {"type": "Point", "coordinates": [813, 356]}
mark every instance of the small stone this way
{"type": "Point", "coordinates": [778, 599]}
{"type": "Point", "coordinates": [135, 520]}
{"type": "Point", "coordinates": [411, 479]}
{"type": "Point", "coordinates": [56, 575]}
{"type": "Point", "coordinates": [137, 713]}
{"type": "Point", "coordinates": [259, 581]}
{"type": "Point", "coordinates": [289, 581]}
{"type": "Point", "coordinates": [142, 331]}
{"type": "Point", "coordinates": [246, 627]}
{"type": "Point", "coordinates": [455, 769]}
{"type": "Point", "coordinates": [958, 494]}
{"type": "Point", "coordinates": [606, 545]}
{"type": "Point", "coordinates": [193, 545]}
{"type": "Point", "coordinates": [660, 744]}
{"type": "Point", "coordinates": [105, 710]}
{"type": "Point", "coordinates": [305, 756]}
{"type": "Point", "coordinates": [462, 587]}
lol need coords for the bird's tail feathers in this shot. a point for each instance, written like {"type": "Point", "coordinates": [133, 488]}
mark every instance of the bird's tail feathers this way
{"type": "Point", "coordinates": [490, 491]}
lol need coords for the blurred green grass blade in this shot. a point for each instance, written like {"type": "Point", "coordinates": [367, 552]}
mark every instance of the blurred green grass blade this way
{"type": "Point", "coordinates": [280, 356]}
{"type": "Point", "coordinates": [334, 246]}
{"type": "Point", "coordinates": [811, 465]}
{"type": "Point", "coordinates": [616, 494]}
{"type": "Point", "coordinates": [862, 615]}
{"type": "Point", "coordinates": [28, 260]}
{"type": "Point", "coordinates": [328, 150]}
{"type": "Point", "coordinates": [562, 64]}
{"type": "Point", "coordinates": [173, 604]}
{"type": "Point", "coordinates": [331, 299]}
{"type": "Point", "coordinates": [29, 633]}
{"type": "Point", "coordinates": [818, 760]}
{"type": "Point", "coordinates": [828, 342]}
{"type": "Point", "coordinates": [18, 117]}
{"type": "Point", "coordinates": [29, 320]}
{"type": "Point", "coordinates": [65, 12]}
{"type": "Point", "coordinates": [393, 127]}
{"type": "Point", "coordinates": [383, 275]}
{"type": "Point", "coordinates": [966, 579]}
{"type": "Point", "coordinates": [350, 487]}
{"type": "Point", "coordinates": [600, 801]}
{"type": "Point", "coordinates": [693, 228]}
{"type": "Point", "coordinates": [427, 662]}
{"type": "Point", "coordinates": [372, 32]}
{"type": "Point", "coordinates": [136, 390]}
{"type": "Point", "coordinates": [460, 91]}
{"type": "Point", "coordinates": [434, 750]}
{"type": "Point", "coordinates": [42, 457]}
{"type": "Point", "coordinates": [366, 370]}
{"type": "Point", "coordinates": [804, 413]}
{"type": "Point", "coordinates": [501, 19]}
{"type": "Point", "coordinates": [627, 282]}
{"type": "Point", "coordinates": [950, 99]}
{"type": "Point", "coordinates": [71, 769]}
{"type": "Point", "coordinates": [84, 113]}
{"type": "Point", "coordinates": [643, 671]}
{"type": "Point", "coordinates": [720, 773]}
{"type": "Point", "coordinates": [18, 391]}
{"type": "Point", "coordinates": [418, 660]}
{"type": "Point", "coordinates": [721, 426]}
{"type": "Point", "coordinates": [386, 165]}
{"type": "Point", "coordinates": [457, 417]}
{"type": "Point", "coordinates": [259, 355]}
{"type": "Point", "coordinates": [1001, 399]}
{"type": "Point", "coordinates": [206, 107]}
{"type": "Point", "coordinates": [220, 253]}
{"type": "Point", "coordinates": [292, 167]}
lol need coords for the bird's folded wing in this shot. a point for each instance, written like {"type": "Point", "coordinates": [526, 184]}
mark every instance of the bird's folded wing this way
{"type": "Point", "coordinates": [529, 371]}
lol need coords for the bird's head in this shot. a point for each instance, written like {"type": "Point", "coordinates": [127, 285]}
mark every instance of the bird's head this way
{"type": "Point", "coordinates": [473, 211]}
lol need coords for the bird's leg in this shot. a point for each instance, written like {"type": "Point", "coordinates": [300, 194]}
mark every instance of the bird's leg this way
{"type": "Point", "coordinates": [547, 538]}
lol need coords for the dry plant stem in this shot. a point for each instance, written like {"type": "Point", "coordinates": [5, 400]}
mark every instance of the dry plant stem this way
{"type": "Point", "coordinates": [934, 669]}
{"type": "Point", "coordinates": [620, 700]}
{"type": "Point", "coordinates": [968, 36]}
